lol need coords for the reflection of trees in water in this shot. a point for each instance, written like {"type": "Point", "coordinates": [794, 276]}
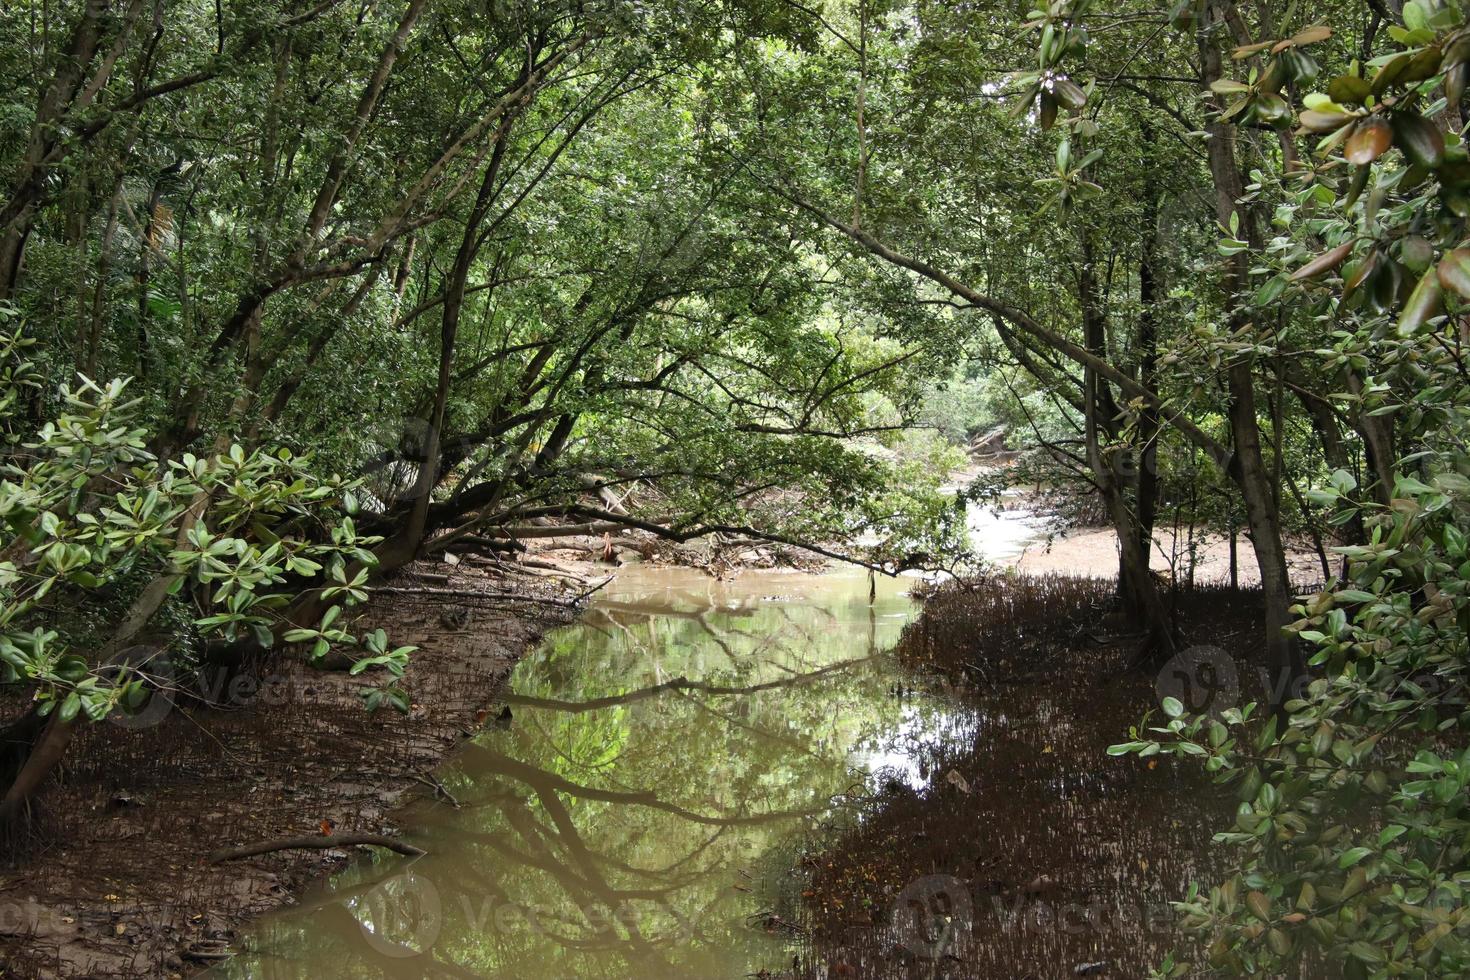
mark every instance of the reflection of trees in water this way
{"type": "Point", "coordinates": [656, 753]}
{"type": "Point", "coordinates": [541, 834]}
{"type": "Point", "coordinates": [713, 763]}
{"type": "Point", "coordinates": [680, 683]}
{"type": "Point", "coordinates": [782, 632]}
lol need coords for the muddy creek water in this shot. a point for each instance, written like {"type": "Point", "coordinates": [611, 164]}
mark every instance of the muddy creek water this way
{"type": "Point", "coordinates": [638, 813]}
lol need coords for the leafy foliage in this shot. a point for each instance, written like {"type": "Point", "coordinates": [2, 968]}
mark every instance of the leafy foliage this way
{"type": "Point", "coordinates": [1351, 820]}
{"type": "Point", "coordinates": [235, 535]}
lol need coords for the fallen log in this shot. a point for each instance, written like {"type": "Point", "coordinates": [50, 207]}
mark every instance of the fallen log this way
{"type": "Point", "coordinates": [318, 842]}
{"type": "Point", "coordinates": [560, 530]}
{"type": "Point", "coordinates": [557, 530]}
{"type": "Point", "coordinates": [473, 594]}
{"type": "Point", "coordinates": [550, 566]}
{"type": "Point", "coordinates": [473, 542]}
{"type": "Point", "coordinates": [643, 547]}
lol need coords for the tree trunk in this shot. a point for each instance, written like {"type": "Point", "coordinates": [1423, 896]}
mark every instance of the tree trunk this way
{"type": "Point", "coordinates": [1148, 359]}
{"type": "Point", "coordinates": [1249, 471]}
{"type": "Point", "coordinates": [1247, 465]}
{"type": "Point", "coordinates": [1335, 454]}
{"type": "Point", "coordinates": [19, 208]}
{"type": "Point", "coordinates": [1142, 604]}
{"type": "Point", "coordinates": [88, 355]}
{"type": "Point", "coordinates": [1378, 442]}
{"type": "Point", "coordinates": [318, 345]}
{"type": "Point", "coordinates": [44, 756]}
{"type": "Point", "coordinates": [404, 546]}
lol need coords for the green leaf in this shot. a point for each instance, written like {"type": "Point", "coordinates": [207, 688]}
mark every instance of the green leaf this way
{"type": "Point", "coordinates": [1349, 89]}
{"type": "Point", "coordinates": [1323, 122]}
{"type": "Point", "coordinates": [1068, 93]}
{"type": "Point", "coordinates": [70, 707]}
{"type": "Point", "coordinates": [1228, 86]}
{"type": "Point", "coordinates": [1366, 952]}
{"type": "Point", "coordinates": [1418, 138]}
{"type": "Point", "coordinates": [1450, 482]}
{"type": "Point", "coordinates": [1415, 17]}
{"type": "Point", "coordinates": [1327, 261]}
{"type": "Point", "coordinates": [1454, 272]}
{"type": "Point", "coordinates": [1391, 833]}
{"type": "Point", "coordinates": [1424, 304]}
{"type": "Point", "coordinates": [1370, 139]}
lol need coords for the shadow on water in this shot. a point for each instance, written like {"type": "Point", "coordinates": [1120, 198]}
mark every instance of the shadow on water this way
{"type": "Point", "coordinates": [642, 810]}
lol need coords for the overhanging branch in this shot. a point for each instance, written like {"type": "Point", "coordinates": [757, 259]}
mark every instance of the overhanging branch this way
{"type": "Point", "coordinates": [1022, 321]}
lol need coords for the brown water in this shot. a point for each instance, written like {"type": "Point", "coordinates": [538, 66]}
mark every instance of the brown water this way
{"type": "Point", "coordinates": [643, 812]}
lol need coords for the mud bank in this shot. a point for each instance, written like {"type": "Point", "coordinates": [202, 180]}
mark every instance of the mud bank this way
{"type": "Point", "coordinates": [1028, 852]}
{"type": "Point", "coordinates": [119, 883]}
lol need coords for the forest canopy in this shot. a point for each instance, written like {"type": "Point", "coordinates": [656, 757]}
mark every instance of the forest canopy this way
{"type": "Point", "coordinates": [298, 293]}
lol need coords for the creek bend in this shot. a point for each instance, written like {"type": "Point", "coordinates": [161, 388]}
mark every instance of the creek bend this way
{"type": "Point", "coordinates": [670, 767]}
{"type": "Point", "coordinates": [639, 810]}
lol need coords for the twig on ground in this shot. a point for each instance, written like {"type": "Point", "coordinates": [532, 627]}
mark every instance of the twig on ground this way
{"type": "Point", "coordinates": [584, 596]}
{"type": "Point", "coordinates": [438, 788]}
